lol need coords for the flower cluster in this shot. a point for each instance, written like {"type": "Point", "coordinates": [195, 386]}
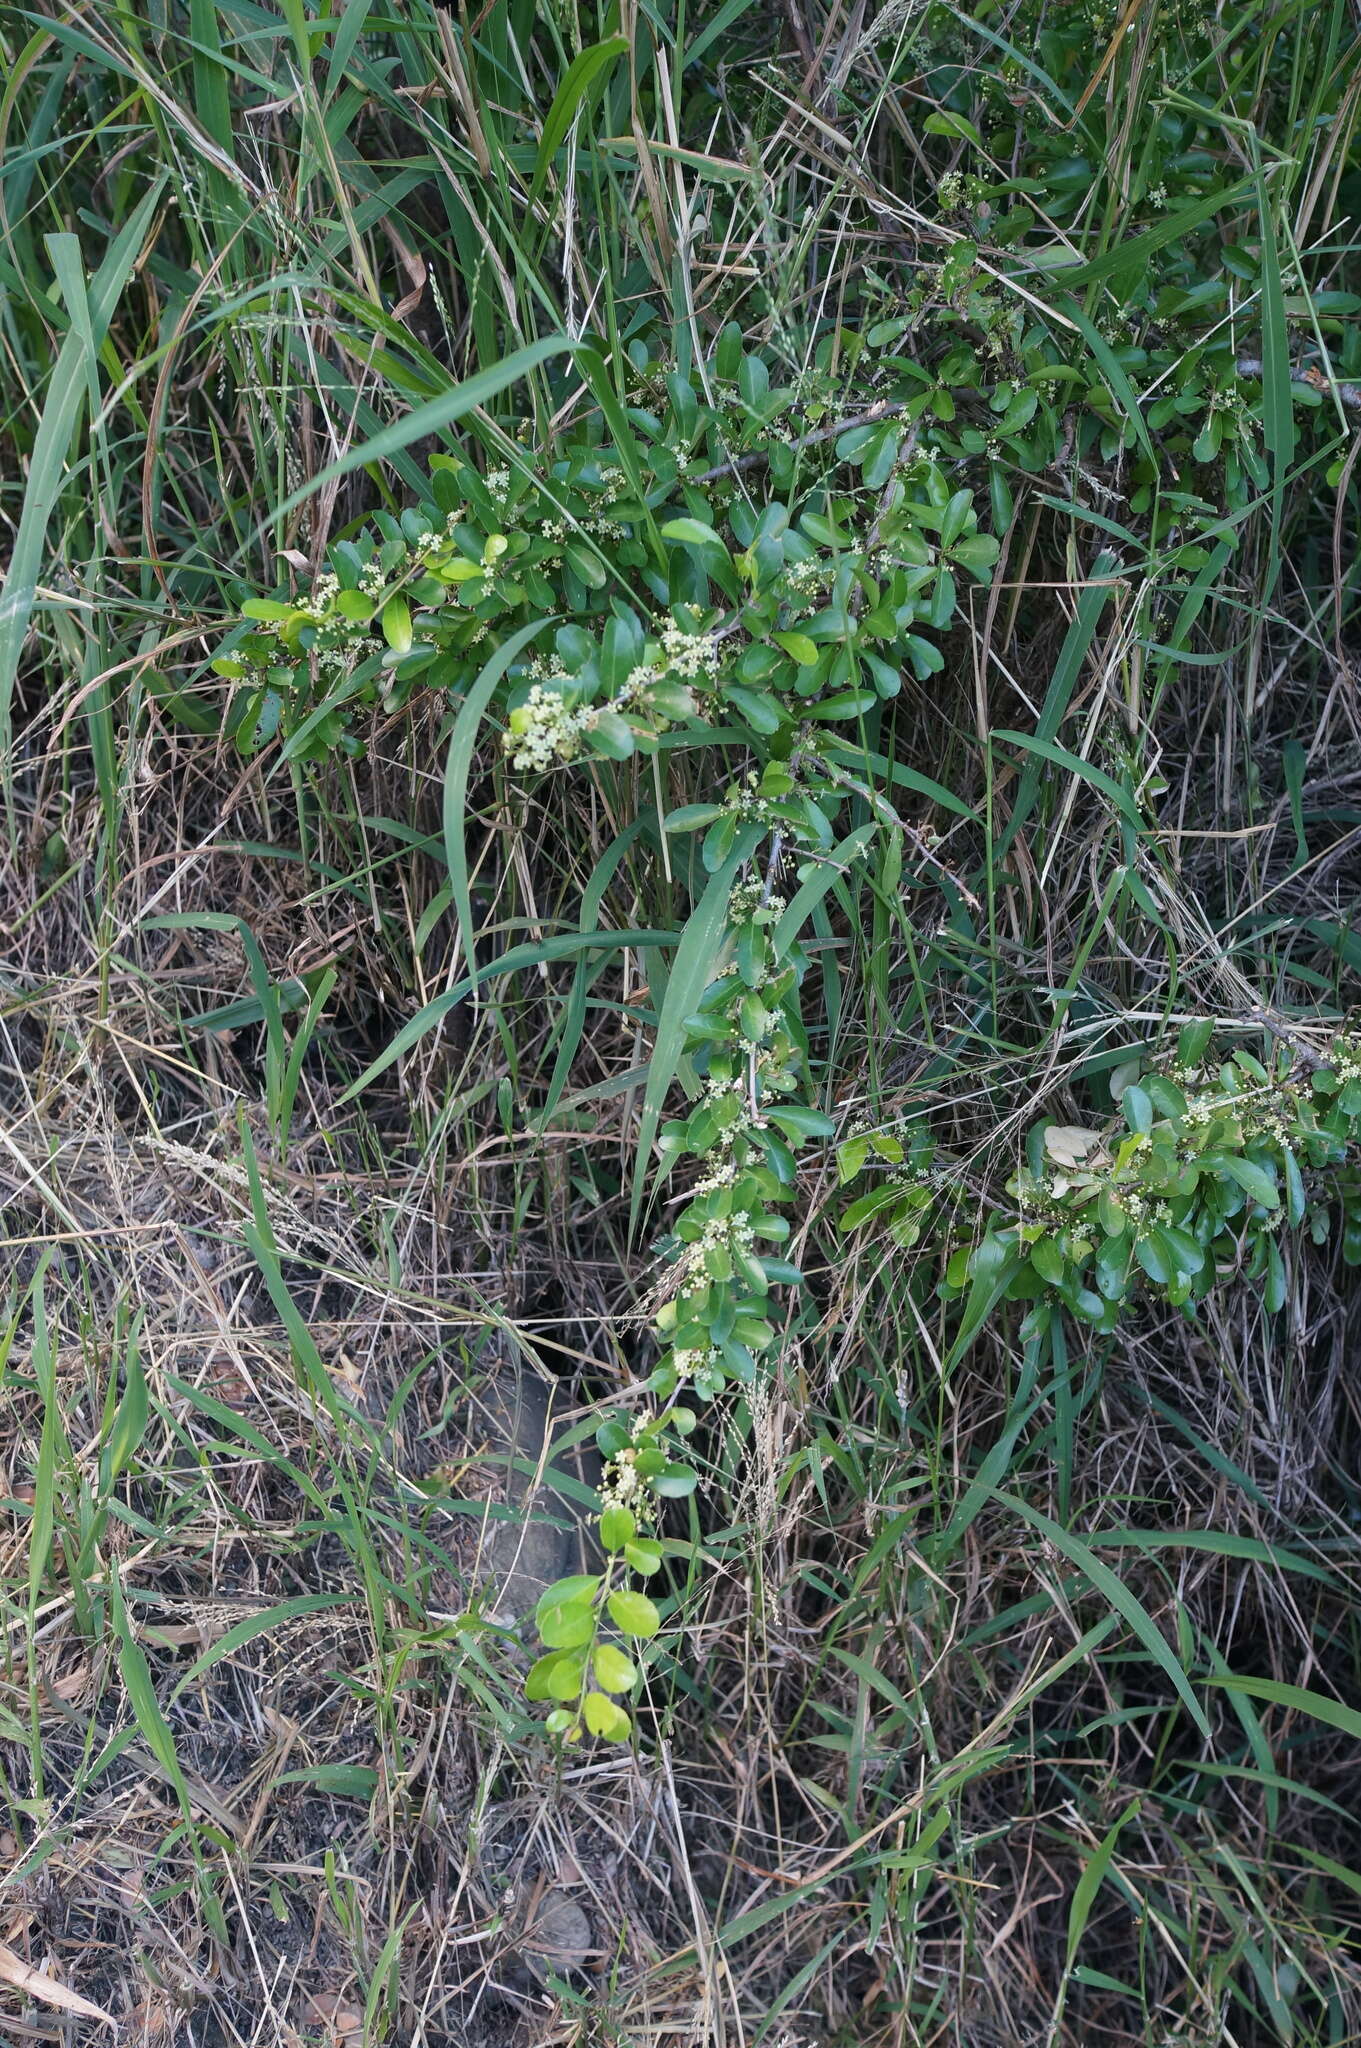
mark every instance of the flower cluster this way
{"type": "Point", "coordinates": [693, 657]}
{"type": "Point", "coordinates": [542, 731]}
{"type": "Point", "coordinates": [622, 1486]}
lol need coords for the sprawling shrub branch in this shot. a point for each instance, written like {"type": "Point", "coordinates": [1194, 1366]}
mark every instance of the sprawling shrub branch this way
{"type": "Point", "coordinates": [771, 626]}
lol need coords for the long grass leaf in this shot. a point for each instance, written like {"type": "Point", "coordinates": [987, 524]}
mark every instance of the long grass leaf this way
{"type": "Point", "coordinates": [66, 393]}
{"type": "Point", "coordinates": [1118, 1594]}
{"type": "Point", "coordinates": [431, 418]}
{"type": "Point", "coordinates": [1317, 1705]}
{"type": "Point", "coordinates": [580, 81]}
{"type": "Point", "coordinates": [563, 947]}
{"type": "Point", "coordinates": [691, 972]}
{"type": "Point", "coordinates": [458, 767]}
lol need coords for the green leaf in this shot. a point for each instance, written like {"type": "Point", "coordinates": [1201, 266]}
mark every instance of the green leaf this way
{"type": "Point", "coordinates": [436, 414]}
{"type": "Point", "coordinates": [605, 1718]}
{"type": "Point", "coordinates": [633, 1613]}
{"type": "Point", "coordinates": [558, 1676]}
{"type": "Point", "coordinates": [259, 1236]}
{"type": "Point", "coordinates": [1061, 758]}
{"type": "Point", "coordinates": [992, 1268]}
{"type": "Point", "coordinates": [617, 1528]}
{"type": "Point", "coordinates": [800, 1120]}
{"type": "Point", "coordinates": [243, 1632]}
{"type": "Point", "coordinates": [978, 552]}
{"type": "Point", "coordinates": [762, 713]}
{"type": "Point", "coordinates": [693, 532]}
{"type": "Point", "coordinates": [955, 518]}
{"type": "Point", "coordinates": [611, 735]}
{"type": "Point", "coordinates": [135, 1673]}
{"type": "Point", "coordinates": [1093, 1872]}
{"type": "Point", "coordinates": [872, 1204]}
{"type": "Point", "coordinates": [944, 121]}
{"type": "Point", "coordinates": [1295, 1203]}
{"type": "Point", "coordinates": [397, 624]}
{"type": "Point", "coordinates": [1254, 1180]}
{"type": "Point", "coordinates": [878, 460]}
{"type": "Point", "coordinates": [458, 765]}
{"type": "Point", "coordinates": [1317, 1705]}
{"type": "Point", "coordinates": [1150, 1249]}
{"type": "Point", "coordinates": [626, 446]}
{"type": "Point", "coordinates": [581, 1587]}
{"type": "Point", "coordinates": [893, 772]}
{"type": "Point", "coordinates": [1218, 1543]}
{"type": "Point", "coordinates": [1137, 1108]}
{"type": "Point", "coordinates": [566, 1627]}
{"type": "Point", "coordinates": [1133, 254]}
{"type": "Point", "coordinates": [826, 874]}
{"type": "Point", "coordinates": [614, 1672]}
{"type": "Point", "coordinates": [564, 947]}
{"type": "Point", "coordinates": [844, 704]}
{"type": "Point", "coordinates": [67, 393]}
{"type": "Point", "coordinates": [1193, 1041]}
{"type": "Point", "coordinates": [1278, 415]}
{"type": "Point", "coordinates": [1276, 1288]}
{"type": "Point", "coordinates": [1113, 372]}
{"type": "Point", "coordinates": [340, 1781]}
{"type": "Point", "coordinates": [587, 564]}
{"type": "Point", "coordinates": [130, 1420]}
{"type": "Point", "coordinates": [798, 647]}
{"type": "Point", "coordinates": [1092, 602]}
{"type": "Point", "coordinates": [1187, 1256]}
{"type": "Point", "coordinates": [690, 817]}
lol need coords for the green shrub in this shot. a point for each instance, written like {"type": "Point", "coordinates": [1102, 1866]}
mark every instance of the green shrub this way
{"type": "Point", "coordinates": [1193, 1182]}
{"type": "Point", "coordinates": [737, 564]}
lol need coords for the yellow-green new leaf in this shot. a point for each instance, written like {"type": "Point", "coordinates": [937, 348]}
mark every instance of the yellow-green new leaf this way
{"type": "Point", "coordinates": [606, 1719]}
{"type": "Point", "coordinates": [614, 1672]}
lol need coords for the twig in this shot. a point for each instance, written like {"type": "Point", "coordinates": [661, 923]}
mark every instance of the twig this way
{"type": "Point", "coordinates": [1305, 373]}
{"type": "Point", "coordinates": [1246, 366]}
{"type": "Point", "coordinates": [884, 809]}
{"type": "Point", "coordinates": [799, 30]}
{"type": "Point", "coordinates": [773, 865]}
{"type": "Point", "coordinates": [1276, 1027]}
{"type": "Point", "coordinates": [886, 409]}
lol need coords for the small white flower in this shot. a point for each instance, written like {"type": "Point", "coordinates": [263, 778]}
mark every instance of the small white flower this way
{"type": "Point", "coordinates": [542, 731]}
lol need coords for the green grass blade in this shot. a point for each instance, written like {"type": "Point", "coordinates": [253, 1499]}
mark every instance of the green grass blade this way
{"type": "Point", "coordinates": [431, 418]}
{"type": "Point", "coordinates": [1120, 1597]}
{"type": "Point", "coordinates": [135, 1673]}
{"type": "Point", "coordinates": [830, 869]}
{"type": "Point", "coordinates": [691, 972]}
{"type": "Point", "coordinates": [458, 767]}
{"type": "Point", "coordinates": [1093, 1872]}
{"type": "Point", "coordinates": [1297, 1698]}
{"type": "Point", "coordinates": [1092, 602]}
{"type": "Point", "coordinates": [581, 81]}
{"type": "Point", "coordinates": [564, 947]}
{"type": "Point", "coordinates": [254, 1625]}
{"type": "Point", "coordinates": [66, 394]}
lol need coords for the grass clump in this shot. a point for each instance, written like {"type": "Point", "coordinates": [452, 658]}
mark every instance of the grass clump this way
{"type": "Point", "coordinates": [679, 738]}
